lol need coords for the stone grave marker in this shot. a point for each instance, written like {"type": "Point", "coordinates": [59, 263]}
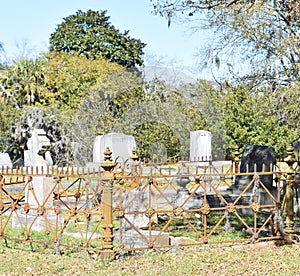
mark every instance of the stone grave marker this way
{"type": "Point", "coordinates": [120, 144]}
{"type": "Point", "coordinates": [38, 189]}
{"type": "Point", "coordinates": [259, 156]}
{"type": "Point", "coordinates": [5, 160]}
{"type": "Point", "coordinates": [200, 145]}
{"type": "Point", "coordinates": [38, 146]}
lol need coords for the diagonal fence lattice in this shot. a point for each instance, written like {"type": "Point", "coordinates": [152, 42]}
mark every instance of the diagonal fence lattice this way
{"type": "Point", "coordinates": [158, 206]}
{"type": "Point", "coordinates": [155, 212]}
{"type": "Point", "coordinates": [58, 206]}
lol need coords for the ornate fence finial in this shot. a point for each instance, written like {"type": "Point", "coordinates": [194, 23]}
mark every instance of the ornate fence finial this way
{"type": "Point", "coordinates": [236, 152]}
{"type": "Point", "coordinates": [134, 156]}
{"type": "Point", "coordinates": [236, 159]}
{"type": "Point", "coordinates": [108, 164]}
{"type": "Point", "coordinates": [290, 159]}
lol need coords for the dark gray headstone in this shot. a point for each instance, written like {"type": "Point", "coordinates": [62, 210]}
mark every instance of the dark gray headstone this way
{"type": "Point", "coordinates": [296, 145]}
{"type": "Point", "coordinates": [259, 156]}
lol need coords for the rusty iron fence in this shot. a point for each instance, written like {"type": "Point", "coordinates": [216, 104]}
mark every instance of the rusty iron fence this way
{"type": "Point", "coordinates": [117, 209]}
{"type": "Point", "coordinates": [58, 206]}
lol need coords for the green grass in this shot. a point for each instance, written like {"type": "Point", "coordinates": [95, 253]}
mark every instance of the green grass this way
{"type": "Point", "coordinates": [236, 230]}
{"type": "Point", "coordinates": [257, 259]}
{"type": "Point", "coordinates": [211, 259]}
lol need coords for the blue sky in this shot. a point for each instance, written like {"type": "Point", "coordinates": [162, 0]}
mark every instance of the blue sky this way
{"type": "Point", "coordinates": [29, 24]}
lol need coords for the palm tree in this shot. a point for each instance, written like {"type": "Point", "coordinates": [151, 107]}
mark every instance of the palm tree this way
{"type": "Point", "coordinates": [22, 82]}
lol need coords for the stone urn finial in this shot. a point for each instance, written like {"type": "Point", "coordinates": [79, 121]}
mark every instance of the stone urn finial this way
{"type": "Point", "coordinates": [182, 181]}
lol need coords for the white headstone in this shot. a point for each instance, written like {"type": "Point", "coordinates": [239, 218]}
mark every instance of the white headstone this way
{"type": "Point", "coordinates": [38, 191]}
{"type": "Point", "coordinates": [120, 144]}
{"type": "Point", "coordinates": [200, 145]}
{"type": "Point", "coordinates": [5, 160]}
{"type": "Point", "coordinates": [38, 145]}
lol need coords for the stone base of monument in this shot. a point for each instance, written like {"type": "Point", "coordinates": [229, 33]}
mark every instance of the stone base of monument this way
{"type": "Point", "coordinates": [133, 239]}
{"type": "Point", "coordinates": [183, 198]}
{"type": "Point", "coordinates": [36, 222]}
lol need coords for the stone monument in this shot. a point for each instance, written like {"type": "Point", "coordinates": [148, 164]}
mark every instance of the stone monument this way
{"type": "Point", "coordinates": [135, 201]}
{"type": "Point", "coordinates": [5, 160]}
{"type": "Point", "coordinates": [39, 187]}
{"type": "Point", "coordinates": [37, 153]}
{"type": "Point", "coordinates": [200, 145]}
{"type": "Point", "coordinates": [137, 217]}
{"type": "Point", "coordinates": [183, 196]}
{"type": "Point", "coordinates": [120, 144]}
{"type": "Point", "coordinates": [261, 157]}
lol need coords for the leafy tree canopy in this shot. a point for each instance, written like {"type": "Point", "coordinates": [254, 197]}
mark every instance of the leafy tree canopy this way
{"type": "Point", "coordinates": [91, 34]}
{"type": "Point", "coordinates": [55, 78]}
{"type": "Point", "coordinates": [68, 78]}
{"type": "Point", "coordinates": [262, 34]}
{"type": "Point", "coordinates": [256, 118]}
{"type": "Point", "coordinates": [8, 117]}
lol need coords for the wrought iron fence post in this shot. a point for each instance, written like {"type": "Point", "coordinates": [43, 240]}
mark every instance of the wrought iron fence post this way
{"type": "Point", "coordinates": [289, 193]}
{"type": "Point", "coordinates": [107, 181]}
